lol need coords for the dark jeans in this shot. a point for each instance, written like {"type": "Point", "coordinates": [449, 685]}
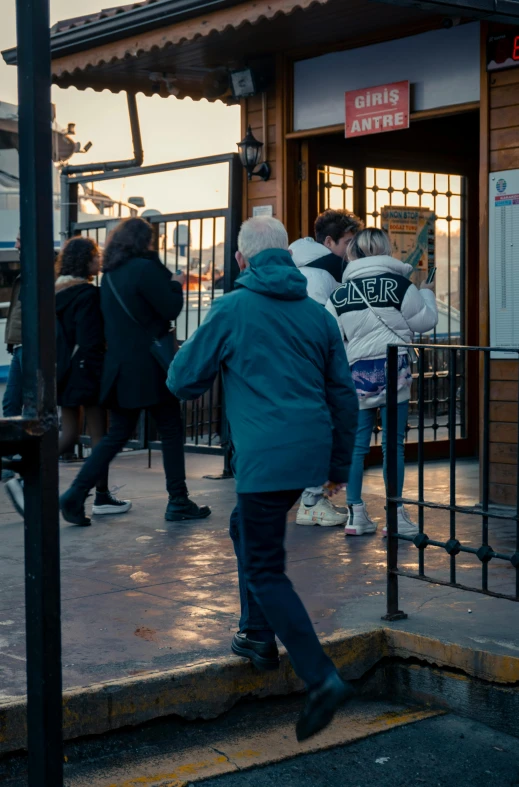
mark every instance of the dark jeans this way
{"type": "Point", "coordinates": [122, 425]}
{"type": "Point", "coordinates": [268, 600]}
{"type": "Point", "coordinates": [12, 403]}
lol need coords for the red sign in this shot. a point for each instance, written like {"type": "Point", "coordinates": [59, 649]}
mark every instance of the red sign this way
{"type": "Point", "coordinates": [374, 110]}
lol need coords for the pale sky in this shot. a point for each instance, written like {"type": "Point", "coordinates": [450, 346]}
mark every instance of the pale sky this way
{"type": "Point", "coordinates": [172, 130]}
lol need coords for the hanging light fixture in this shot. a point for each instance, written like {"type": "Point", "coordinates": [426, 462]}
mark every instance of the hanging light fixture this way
{"type": "Point", "coordinates": [250, 150]}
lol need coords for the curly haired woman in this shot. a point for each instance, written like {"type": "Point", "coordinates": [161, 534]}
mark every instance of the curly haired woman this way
{"type": "Point", "coordinates": [80, 328]}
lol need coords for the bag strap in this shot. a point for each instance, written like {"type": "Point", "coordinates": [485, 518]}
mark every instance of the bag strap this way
{"type": "Point", "coordinates": [120, 300]}
{"type": "Point", "coordinates": [377, 315]}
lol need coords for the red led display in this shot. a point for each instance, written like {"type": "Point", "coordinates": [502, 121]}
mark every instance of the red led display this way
{"type": "Point", "coordinates": [502, 51]}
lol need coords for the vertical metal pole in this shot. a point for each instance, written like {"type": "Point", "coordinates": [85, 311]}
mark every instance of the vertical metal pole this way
{"type": "Point", "coordinates": [485, 459]}
{"type": "Point", "coordinates": [42, 581]}
{"type": "Point", "coordinates": [232, 222]}
{"type": "Point", "coordinates": [393, 613]}
{"type": "Point", "coordinates": [232, 227]}
{"type": "Point", "coordinates": [421, 435]}
{"type": "Point", "coordinates": [188, 266]}
{"type": "Point", "coordinates": [466, 358]}
{"type": "Point", "coordinates": [452, 454]}
{"type": "Point", "coordinates": [230, 273]}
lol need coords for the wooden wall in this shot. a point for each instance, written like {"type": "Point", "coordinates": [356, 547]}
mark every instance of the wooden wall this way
{"type": "Point", "coordinates": [503, 155]}
{"type": "Point", "coordinates": [279, 106]}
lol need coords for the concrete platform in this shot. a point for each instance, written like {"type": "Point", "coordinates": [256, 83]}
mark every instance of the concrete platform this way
{"type": "Point", "coordinates": [143, 598]}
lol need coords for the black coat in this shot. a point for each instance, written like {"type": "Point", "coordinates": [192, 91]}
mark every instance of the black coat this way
{"type": "Point", "coordinates": [78, 307]}
{"type": "Point", "coordinates": [132, 378]}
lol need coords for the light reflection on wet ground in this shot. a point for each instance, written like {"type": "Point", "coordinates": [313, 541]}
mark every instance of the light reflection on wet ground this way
{"type": "Point", "coordinates": [140, 594]}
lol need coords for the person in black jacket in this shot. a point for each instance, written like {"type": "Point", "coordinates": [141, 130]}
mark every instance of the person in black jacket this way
{"type": "Point", "coordinates": [78, 310]}
{"type": "Point", "coordinates": [132, 378]}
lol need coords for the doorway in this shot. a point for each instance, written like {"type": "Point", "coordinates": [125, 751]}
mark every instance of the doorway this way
{"type": "Point", "coordinates": [432, 167]}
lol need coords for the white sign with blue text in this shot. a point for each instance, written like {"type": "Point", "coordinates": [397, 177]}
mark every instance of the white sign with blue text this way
{"type": "Point", "coordinates": [503, 261]}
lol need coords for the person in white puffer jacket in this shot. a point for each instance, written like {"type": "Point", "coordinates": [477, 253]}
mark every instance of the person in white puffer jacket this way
{"type": "Point", "coordinates": [397, 311]}
{"type": "Point", "coordinates": [322, 263]}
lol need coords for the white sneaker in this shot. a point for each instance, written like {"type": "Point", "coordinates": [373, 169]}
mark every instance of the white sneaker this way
{"type": "Point", "coordinates": [359, 522]}
{"type": "Point", "coordinates": [405, 525]}
{"type": "Point", "coordinates": [107, 504]}
{"type": "Point", "coordinates": [323, 513]}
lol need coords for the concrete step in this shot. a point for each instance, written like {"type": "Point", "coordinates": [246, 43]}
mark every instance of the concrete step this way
{"type": "Point", "coordinates": [175, 754]}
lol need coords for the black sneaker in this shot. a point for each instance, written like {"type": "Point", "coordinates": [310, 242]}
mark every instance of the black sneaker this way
{"type": "Point", "coordinates": [72, 506]}
{"type": "Point", "coordinates": [321, 705]}
{"type": "Point", "coordinates": [106, 504]}
{"type": "Point", "coordinates": [264, 655]}
{"type": "Point", "coordinates": [14, 488]}
{"type": "Point", "coordinates": [180, 508]}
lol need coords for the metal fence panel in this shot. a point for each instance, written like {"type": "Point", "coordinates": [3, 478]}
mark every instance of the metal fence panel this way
{"type": "Point", "coordinates": [453, 546]}
{"type": "Point", "coordinates": [202, 244]}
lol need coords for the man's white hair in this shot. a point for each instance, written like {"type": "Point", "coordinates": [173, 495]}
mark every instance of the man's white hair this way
{"type": "Point", "coordinates": [260, 234]}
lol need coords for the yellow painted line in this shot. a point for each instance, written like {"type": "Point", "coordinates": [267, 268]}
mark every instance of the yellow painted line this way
{"type": "Point", "coordinates": [273, 745]}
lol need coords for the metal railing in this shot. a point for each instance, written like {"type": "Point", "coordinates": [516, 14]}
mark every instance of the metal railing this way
{"type": "Point", "coordinates": [453, 545]}
{"type": "Point", "coordinates": [201, 244]}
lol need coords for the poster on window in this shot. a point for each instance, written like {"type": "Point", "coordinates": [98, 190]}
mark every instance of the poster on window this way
{"type": "Point", "coordinates": [411, 232]}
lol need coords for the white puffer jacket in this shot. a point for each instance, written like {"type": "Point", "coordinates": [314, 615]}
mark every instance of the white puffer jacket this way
{"type": "Point", "coordinates": [322, 268]}
{"type": "Point", "coordinates": [404, 309]}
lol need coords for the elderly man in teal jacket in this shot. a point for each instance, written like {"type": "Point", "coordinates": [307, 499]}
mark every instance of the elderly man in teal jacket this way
{"type": "Point", "coordinates": [292, 410]}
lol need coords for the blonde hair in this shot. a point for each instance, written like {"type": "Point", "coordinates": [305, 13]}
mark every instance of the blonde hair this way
{"type": "Point", "coordinates": [260, 234]}
{"type": "Point", "coordinates": [370, 242]}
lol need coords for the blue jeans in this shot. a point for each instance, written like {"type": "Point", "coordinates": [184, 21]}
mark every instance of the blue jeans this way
{"type": "Point", "coordinates": [12, 404]}
{"type": "Point", "coordinates": [268, 600]}
{"type": "Point", "coordinates": [362, 445]}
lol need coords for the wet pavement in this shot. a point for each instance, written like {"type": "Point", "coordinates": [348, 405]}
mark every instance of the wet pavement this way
{"type": "Point", "coordinates": [140, 594]}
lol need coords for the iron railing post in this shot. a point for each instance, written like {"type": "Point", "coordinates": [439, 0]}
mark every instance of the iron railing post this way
{"type": "Point", "coordinates": [421, 438]}
{"type": "Point", "coordinates": [40, 453]}
{"type": "Point", "coordinates": [452, 458]}
{"type": "Point", "coordinates": [232, 219]}
{"type": "Point", "coordinates": [393, 613]}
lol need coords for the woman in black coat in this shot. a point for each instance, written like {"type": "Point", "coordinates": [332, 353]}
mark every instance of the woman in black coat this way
{"type": "Point", "coordinates": [78, 314]}
{"type": "Point", "coordinates": [132, 379]}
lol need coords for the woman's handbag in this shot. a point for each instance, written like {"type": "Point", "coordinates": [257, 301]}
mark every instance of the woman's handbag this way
{"type": "Point", "coordinates": [163, 348]}
{"type": "Point", "coordinates": [412, 352]}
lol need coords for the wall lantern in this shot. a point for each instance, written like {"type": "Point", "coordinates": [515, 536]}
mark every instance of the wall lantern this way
{"type": "Point", "coordinates": [250, 150]}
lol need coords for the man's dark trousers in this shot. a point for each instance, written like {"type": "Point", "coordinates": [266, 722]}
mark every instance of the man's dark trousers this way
{"type": "Point", "coordinates": [268, 600]}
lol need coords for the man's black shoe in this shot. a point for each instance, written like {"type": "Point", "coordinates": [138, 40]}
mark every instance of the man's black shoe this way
{"type": "Point", "coordinates": [264, 655]}
{"type": "Point", "coordinates": [72, 506]}
{"type": "Point", "coordinates": [321, 705]}
{"type": "Point", "coordinates": [180, 508]}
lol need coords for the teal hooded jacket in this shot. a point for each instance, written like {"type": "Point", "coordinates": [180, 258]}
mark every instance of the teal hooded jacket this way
{"type": "Point", "coordinates": [290, 399]}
